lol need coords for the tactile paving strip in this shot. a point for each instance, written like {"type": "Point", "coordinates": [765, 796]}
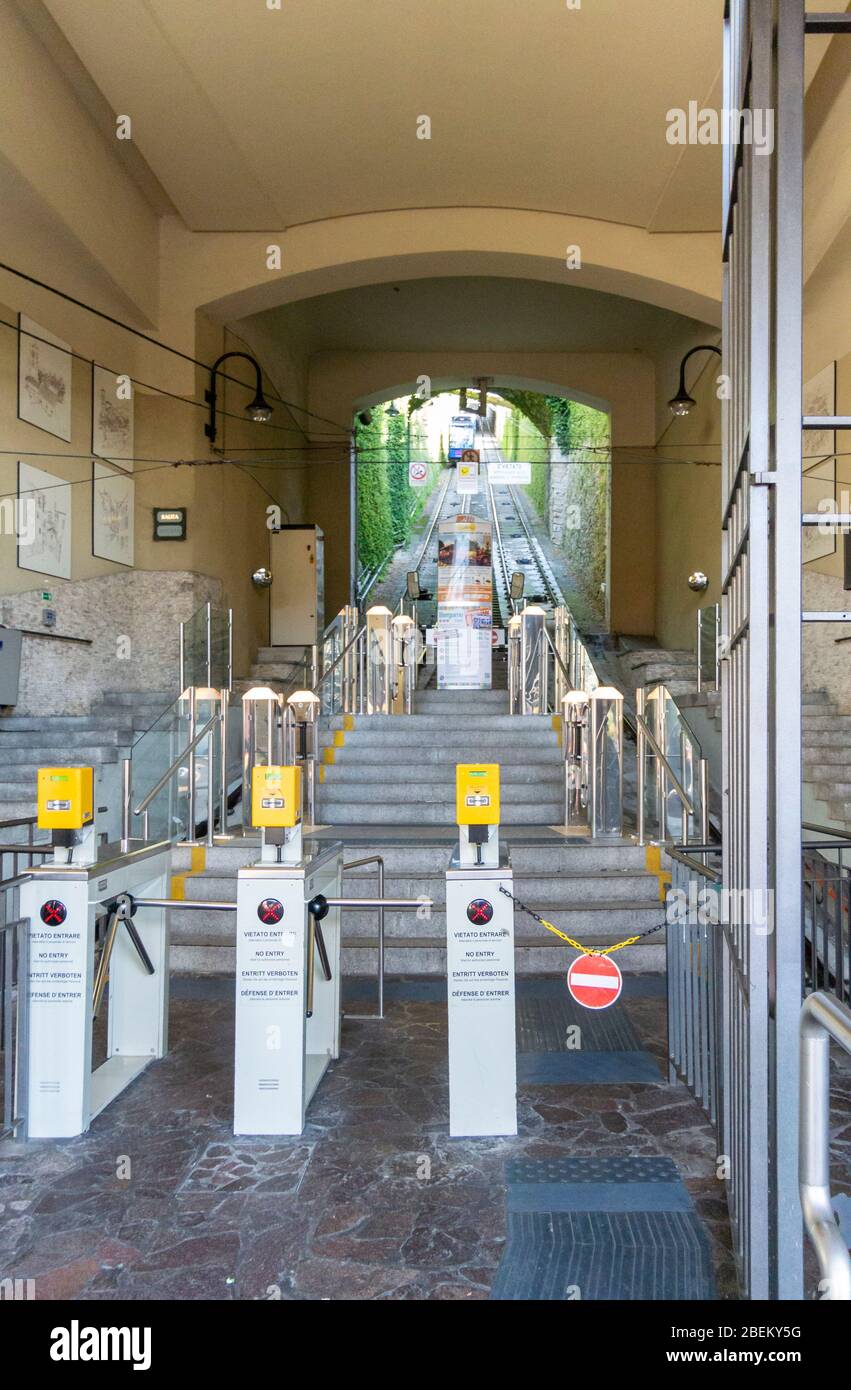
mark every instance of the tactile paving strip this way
{"type": "Point", "coordinates": [611, 1184]}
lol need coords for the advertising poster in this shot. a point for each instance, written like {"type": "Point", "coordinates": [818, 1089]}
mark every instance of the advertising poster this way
{"type": "Point", "coordinates": [464, 604]}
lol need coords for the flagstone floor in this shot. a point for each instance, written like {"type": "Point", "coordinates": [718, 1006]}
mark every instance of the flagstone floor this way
{"type": "Point", "coordinates": [374, 1201]}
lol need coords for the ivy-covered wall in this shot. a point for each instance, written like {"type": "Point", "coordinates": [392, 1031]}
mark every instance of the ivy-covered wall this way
{"type": "Point", "coordinates": [568, 445]}
{"type": "Point", "coordinates": [387, 504]}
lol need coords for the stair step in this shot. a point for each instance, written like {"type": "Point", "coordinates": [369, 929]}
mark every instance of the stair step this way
{"type": "Point", "coordinates": [380, 813]}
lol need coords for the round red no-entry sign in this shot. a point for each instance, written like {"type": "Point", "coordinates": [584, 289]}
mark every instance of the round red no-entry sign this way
{"type": "Point", "coordinates": [594, 981]}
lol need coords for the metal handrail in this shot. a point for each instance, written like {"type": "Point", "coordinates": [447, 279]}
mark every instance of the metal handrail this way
{"type": "Point", "coordinates": [695, 865]}
{"type": "Point", "coordinates": [339, 657]}
{"type": "Point", "coordinates": [169, 773]}
{"type": "Point", "coordinates": [357, 864]}
{"type": "Point", "coordinates": [564, 669]}
{"type": "Point", "coordinates": [642, 724]}
{"type": "Point", "coordinates": [822, 1017]}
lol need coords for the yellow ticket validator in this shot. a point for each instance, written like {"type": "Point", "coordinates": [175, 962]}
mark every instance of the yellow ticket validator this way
{"type": "Point", "coordinates": [65, 797]}
{"type": "Point", "coordinates": [477, 793]}
{"type": "Point", "coordinates": [275, 797]}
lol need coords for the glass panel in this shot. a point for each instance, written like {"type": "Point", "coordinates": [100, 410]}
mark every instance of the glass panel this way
{"type": "Point", "coordinates": [332, 646]}
{"type": "Point", "coordinates": [153, 753]}
{"type": "Point", "coordinates": [206, 648]}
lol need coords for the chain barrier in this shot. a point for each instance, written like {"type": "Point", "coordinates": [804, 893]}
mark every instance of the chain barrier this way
{"type": "Point", "coordinates": [577, 945]}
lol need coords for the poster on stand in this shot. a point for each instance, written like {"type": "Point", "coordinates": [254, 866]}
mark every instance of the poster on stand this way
{"type": "Point", "coordinates": [464, 604]}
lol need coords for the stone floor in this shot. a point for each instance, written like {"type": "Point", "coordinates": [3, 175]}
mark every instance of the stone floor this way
{"type": "Point", "coordinates": [374, 1201]}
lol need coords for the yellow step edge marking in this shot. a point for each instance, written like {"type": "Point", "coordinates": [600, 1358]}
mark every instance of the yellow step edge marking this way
{"type": "Point", "coordinates": [339, 738]}
{"type": "Point", "coordinates": [557, 723]}
{"type": "Point", "coordinates": [348, 721]}
{"type": "Point", "coordinates": [197, 864]}
{"type": "Point", "coordinates": [321, 773]}
{"type": "Point", "coordinates": [653, 862]}
{"type": "Point", "coordinates": [328, 755]}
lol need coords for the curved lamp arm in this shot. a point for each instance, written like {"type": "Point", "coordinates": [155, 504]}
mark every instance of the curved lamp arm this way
{"type": "Point", "coordinates": [682, 402]}
{"type": "Point", "coordinates": [258, 409]}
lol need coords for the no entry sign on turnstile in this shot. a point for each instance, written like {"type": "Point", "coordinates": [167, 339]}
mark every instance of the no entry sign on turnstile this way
{"type": "Point", "coordinates": [594, 981]}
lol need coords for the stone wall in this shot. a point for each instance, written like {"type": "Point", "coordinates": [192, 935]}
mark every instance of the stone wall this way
{"type": "Point", "coordinates": [826, 665]}
{"type": "Point", "coordinates": [132, 620]}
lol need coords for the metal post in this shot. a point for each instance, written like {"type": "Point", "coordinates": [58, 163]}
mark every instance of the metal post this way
{"type": "Point", "coordinates": [641, 756]}
{"type": "Point", "coordinates": [126, 796]}
{"type": "Point", "coordinates": [209, 615]}
{"type": "Point", "coordinates": [211, 777]}
{"type": "Point", "coordinates": [379, 659]}
{"type": "Point", "coordinates": [703, 774]}
{"type": "Point", "coordinates": [182, 659]}
{"type": "Point", "coordinates": [699, 650]}
{"type": "Point", "coordinates": [223, 770]}
{"type": "Point", "coordinates": [191, 765]}
{"type": "Point", "coordinates": [785, 727]}
{"type": "Point", "coordinates": [230, 649]}
{"type": "Point", "coordinates": [605, 749]}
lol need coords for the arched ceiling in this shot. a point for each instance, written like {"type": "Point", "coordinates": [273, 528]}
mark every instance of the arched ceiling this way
{"type": "Point", "coordinates": [255, 117]}
{"type": "Point", "coordinates": [487, 314]}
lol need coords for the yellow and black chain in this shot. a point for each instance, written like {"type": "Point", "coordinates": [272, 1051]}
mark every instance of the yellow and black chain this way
{"type": "Point", "coordinates": [577, 945]}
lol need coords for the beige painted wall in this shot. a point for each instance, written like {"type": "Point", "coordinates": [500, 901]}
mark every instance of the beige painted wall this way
{"type": "Point", "coordinates": [227, 506]}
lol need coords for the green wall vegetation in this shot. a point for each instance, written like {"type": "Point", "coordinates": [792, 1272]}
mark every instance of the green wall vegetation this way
{"type": "Point", "coordinates": [387, 505]}
{"type": "Point", "coordinates": [570, 493]}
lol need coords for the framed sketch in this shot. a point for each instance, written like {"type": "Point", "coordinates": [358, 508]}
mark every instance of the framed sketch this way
{"type": "Point", "coordinates": [112, 514]}
{"type": "Point", "coordinates": [44, 379]}
{"type": "Point", "coordinates": [818, 484]}
{"type": "Point", "coordinates": [44, 527]}
{"type": "Point", "coordinates": [112, 417]}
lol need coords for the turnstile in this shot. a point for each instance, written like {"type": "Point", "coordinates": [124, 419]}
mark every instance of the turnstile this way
{"type": "Point", "coordinates": [64, 902]}
{"type": "Point", "coordinates": [480, 964]}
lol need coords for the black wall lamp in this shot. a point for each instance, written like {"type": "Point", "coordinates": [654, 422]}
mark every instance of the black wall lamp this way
{"type": "Point", "coordinates": [258, 409]}
{"type": "Point", "coordinates": [682, 401]}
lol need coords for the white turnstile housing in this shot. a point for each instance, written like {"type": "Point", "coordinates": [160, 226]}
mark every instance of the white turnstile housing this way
{"type": "Point", "coordinates": [63, 901]}
{"type": "Point", "coordinates": [480, 984]}
{"type": "Point", "coordinates": [281, 1054]}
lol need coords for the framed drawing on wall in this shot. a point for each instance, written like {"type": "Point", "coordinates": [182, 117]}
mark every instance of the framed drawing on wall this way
{"type": "Point", "coordinates": [44, 522]}
{"type": "Point", "coordinates": [44, 379]}
{"type": "Point", "coordinates": [112, 417]}
{"type": "Point", "coordinates": [112, 514]}
{"type": "Point", "coordinates": [818, 484]}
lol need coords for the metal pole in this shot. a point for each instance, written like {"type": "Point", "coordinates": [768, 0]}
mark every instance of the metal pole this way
{"type": "Point", "coordinates": [211, 760]}
{"type": "Point", "coordinates": [640, 697]}
{"type": "Point", "coordinates": [191, 765]}
{"type": "Point", "coordinates": [381, 939]}
{"type": "Point", "coordinates": [785, 821]}
{"type": "Point", "coordinates": [223, 770]}
{"type": "Point", "coordinates": [699, 652]}
{"type": "Point", "coordinates": [126, 796]}
{"type": "Point", "coordinates": [182, 660]}
{"type": "Point", "coordinates": [209, 680]}
{"type": "Point", "coordinates": [703, 772]}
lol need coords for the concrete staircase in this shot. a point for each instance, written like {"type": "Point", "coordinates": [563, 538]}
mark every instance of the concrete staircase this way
{"type": "Point", "coordinates": [594, 893]}
{"type": "Point", "coordinates": [394, 770]}
{"type": "Point", "coordinates": [28, 742]}
{"type": "Point", "coordinates": [642, 666]}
